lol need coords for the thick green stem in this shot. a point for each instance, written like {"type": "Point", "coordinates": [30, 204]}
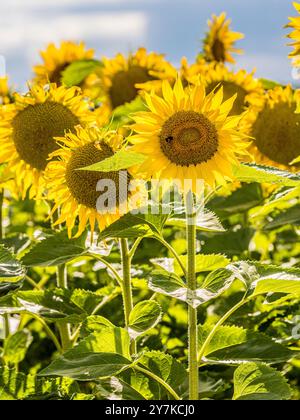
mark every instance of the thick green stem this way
{"type": "Point", "coordinates": [192, 285]}
{"type": "Point", "coordinates": [1, 214]}
{"type": "Point", "coordinates": [5, 317]}
{"type": "Point", "coordinates": [126, 286]}
{"type": "Point", "coordinates": [64, 328]}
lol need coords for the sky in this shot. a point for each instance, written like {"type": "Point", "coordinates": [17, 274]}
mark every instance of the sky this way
{"type": "Point", "coordinates": [173, 27]}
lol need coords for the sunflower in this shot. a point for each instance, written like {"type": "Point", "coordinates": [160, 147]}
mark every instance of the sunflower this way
{"type": "Point", "coordinates": [249, 90]}
{"type": "Point", "coordinates": [5, 95]}
{"type": "Point", "coordinates": [275, 129]}
{"type": "Point", "coordinates": [122, 77]}
{"type": "Point", "coordinates": [187, 134]}
{"type": "Point", "coordinates": [74, 191]}
{"type": "Point", "coordinates": [28, 128]}
{"type": "Point", "coordinates": [295, 36]}
{"type": "Point", "coordinates": [57, 59]}
{"type": "Point", "coordinates": [219, 42]}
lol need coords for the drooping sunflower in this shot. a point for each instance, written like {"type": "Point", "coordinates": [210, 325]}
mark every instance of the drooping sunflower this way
{"type": "Point", "coordinates": [187, 134]}
{"type": "Point", "coordinates": [295, 36]}
{"type": "Point", "coordinates": [28, 128]}
{"type": "Point", "coordinates": [249, 90]}
{"type": "Point", "coordinates": [123, 77]}
{"type": "Point", "coordinates": [275, 129]}
{"type": "Point", "coordinates": [57, 59]}
{"type": "Point", "coordinates": [218, 45]}
{"type": "Point", "coordinates": [76, 192]}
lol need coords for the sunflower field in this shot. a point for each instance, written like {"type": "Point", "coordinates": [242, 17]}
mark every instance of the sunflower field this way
{"type": "Point", "coordinates": [150, 227]}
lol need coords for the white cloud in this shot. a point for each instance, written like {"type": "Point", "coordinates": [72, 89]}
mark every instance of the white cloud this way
{"type": "Point", "coordinates": [267, 66]}
{"type": "Point", "coordinates": [38, 30]}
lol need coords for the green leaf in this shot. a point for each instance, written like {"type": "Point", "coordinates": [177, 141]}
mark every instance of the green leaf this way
{"type": "Point", "coordinates": [135, 225]}
{"type": "Point", "coordinates": [170, 284]}
{"type": "Point", "coordinates": [144, 316]}
{"type": "Point", "coordinates": [17, 386]}
{"type": "Point", "coordinates": [109, 339]}
{"type": "Point", "coordinates": [95, 323]}
{"type": "Point", "coordinates": [206, 221]}
{"type": "Point", "coordinates": [167, 368]}
{"type": "Point", "coordinates": [55, 250]}
{"type": "Point", "coordinates": [234, 345]}
{"type": "Point", "coordinates": [231, 242]}
{"type": "Point", "coordinates": [54, 305]}
{"type": "Point", "coordinates": [15, 346]}
{"type": "Point", "coordinates": [122, 159]}
{"type": "Point", "coordinates": [11, 271]}
{"type": "Point", "coordinates": [269, 84]}
{"type": "Point", "coordinates": [289, 217]}
{"type": "Point", "coordinates": [204, 263]}
{"type": "Point", "coordinates": [263, 278]}
{"type": "Point", "coordinates": [256, 381]}
{"type": "Point", "coordinates": [240, 201]}
{"type": "Point", "coordinates": [122, 114]}
{"type": "Point", "coordinates": [116, 389]}
{"type": "Point", "coordinates": [77, 71]}
{"type": "Point", "coordinates": [250, 172]}
{"type": "Point", "coordinates": [86, 366]}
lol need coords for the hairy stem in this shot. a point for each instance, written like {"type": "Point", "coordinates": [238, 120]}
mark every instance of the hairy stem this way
{"type": "Point", "coordinates": [126, 286]}
{"type": "Point", "coordinates": [192, 285]}
{"type": "Point", "coordinates": [64, 328]}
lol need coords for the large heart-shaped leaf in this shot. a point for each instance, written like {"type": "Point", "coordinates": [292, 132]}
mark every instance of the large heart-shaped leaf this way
{"type": "Point", "coordinates": [256, 381]}
{"type": "Point", "coordinates": [11, 271]}
{"type": "Point", "coordinates": [86, 366]}
{"type": "Point", "coordinates": [55, 250]}
{"type": "Point", "coordinates": [234, 345]}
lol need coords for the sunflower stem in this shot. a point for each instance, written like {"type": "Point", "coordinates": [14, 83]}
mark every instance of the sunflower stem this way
{"type": "Point", "coordinates": [64, 328]}
{"type": "Point", "coordinates": [1, 214]}
{"type": "Point", "coordinates": [126, 286]}
{"type": "Point", "coordinates": [192, 285]}
{"type": "Point", "coordinates": [5, 317]}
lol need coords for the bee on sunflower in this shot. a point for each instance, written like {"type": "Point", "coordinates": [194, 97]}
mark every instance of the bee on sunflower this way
{"type": "Point", "coordinates": [218, 46]}
{"type": "Point", "coordinates": [123, 77]}
{"type": "Point", "coordinates": [57, 59]}
{"type": "Point", "coordinates": [76, 191]}
{"type": "Point", "coordinates": [187, 134]}
{"type": "Point", "coordinates": [28, 128]}
{"type": "Point", "coordinates": [295, 36]}
{"type": "Point", "coordinates": [275, 129]}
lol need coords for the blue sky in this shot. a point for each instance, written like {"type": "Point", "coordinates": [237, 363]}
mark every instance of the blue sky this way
{"type": "Point", "coordinates": [174, 27]}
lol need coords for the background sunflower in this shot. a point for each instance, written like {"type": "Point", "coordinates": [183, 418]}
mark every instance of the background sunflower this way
{"type": "Point", "coordinates": [219, 43]}
{"type": "Point", "coordinates": [123, 77]}
{"type": "Point", "coordinates": [29, 126]}
{"type": "Point", "coordinates": [275, 129]}
{"type": "Point", "coordinates": [74, 191]}
{"type": "Point", "coordinates": [57, 59]}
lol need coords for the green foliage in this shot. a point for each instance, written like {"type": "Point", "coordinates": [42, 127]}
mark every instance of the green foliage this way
{"type": "Point", "coordinates": [122, 159]}
{"type": "Point", "coordinates": [86, 366]}
{"type": "Point", "coordinates": [77, 71]}
{"type": "Point", "coordinates": [56, 249]}
{"type": "Point", "coordinates": [255, 381]}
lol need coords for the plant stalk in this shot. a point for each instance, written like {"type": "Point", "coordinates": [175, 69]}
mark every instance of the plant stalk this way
{"type": "Point", "coordinates": [192, 285]}
{"type": "Point", "coordinates": [126, 286]}
{"type": "Point", "coordinates": [64, 328]}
